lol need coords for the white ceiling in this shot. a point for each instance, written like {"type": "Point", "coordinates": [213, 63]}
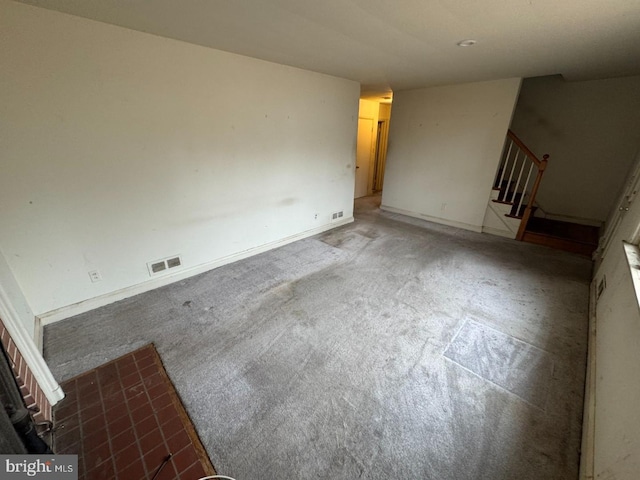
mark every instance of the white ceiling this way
{"type": "Point", "coordinates": [397, 44]}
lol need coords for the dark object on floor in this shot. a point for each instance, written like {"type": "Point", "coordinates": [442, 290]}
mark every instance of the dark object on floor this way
{"type": "Point", "coordinates": [124, 419]}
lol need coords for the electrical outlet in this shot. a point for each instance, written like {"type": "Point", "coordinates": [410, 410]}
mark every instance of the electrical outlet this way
{"type": "Point", "coordinates": [315, 216]}
{"type": "Point", "coordinates": [95, 276]}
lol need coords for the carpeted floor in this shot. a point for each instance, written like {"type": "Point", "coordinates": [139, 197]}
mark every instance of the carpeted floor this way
{"type": "Point", "coordinates": [387, 348]}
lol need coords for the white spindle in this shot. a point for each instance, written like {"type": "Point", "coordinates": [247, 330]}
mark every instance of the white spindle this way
{"type": "Point", "coordinates": [524, 190]}
{"type": "Point", "coordinates": [506, 162]}
{"type": "Point", "coordinates": [524, 161]}
{"type": "Point", "coordinates": [513, 169]}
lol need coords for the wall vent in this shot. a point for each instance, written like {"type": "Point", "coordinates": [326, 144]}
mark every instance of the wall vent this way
{"type": "Point", "coordinates": [174, 262]}
{"type": "Point", "coordinates": [160, 266]}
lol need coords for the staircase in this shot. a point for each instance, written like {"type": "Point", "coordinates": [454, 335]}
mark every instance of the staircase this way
{"type": "Point", "coordinates": [511, 208]}
{"type": "Point", "coordinates": [514, 190]}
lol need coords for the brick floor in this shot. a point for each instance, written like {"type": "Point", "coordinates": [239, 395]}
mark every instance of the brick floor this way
{"type": "Point", "coordinates": [124, 418]}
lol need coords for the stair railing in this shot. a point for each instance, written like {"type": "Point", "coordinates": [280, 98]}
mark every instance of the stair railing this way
{"type": "Point", "coordinates": [518, 189]}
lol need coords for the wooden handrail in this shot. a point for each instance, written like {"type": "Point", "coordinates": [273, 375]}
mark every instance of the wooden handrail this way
{"type": "Point", "coordinates": [529, 153]}
{"type": "Point", "coordinates": [534, 191]}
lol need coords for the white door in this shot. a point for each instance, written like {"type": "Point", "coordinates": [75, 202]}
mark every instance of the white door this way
{"type": "Point", "coordinates": [363, 156]}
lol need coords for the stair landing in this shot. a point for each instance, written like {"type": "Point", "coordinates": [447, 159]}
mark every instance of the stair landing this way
{"type": "Point", "coordinates": [571, 237]}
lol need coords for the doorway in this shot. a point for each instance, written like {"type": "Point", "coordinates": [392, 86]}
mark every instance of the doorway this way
{"type": "Point", "coordinates": [371, 147]}
{"type": "Point", "coordinates": [363, 156]}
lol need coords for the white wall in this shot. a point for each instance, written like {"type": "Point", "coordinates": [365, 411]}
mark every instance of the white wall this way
{"type": "Point", "coordinates": [591, 130]}
{"type": "Point", "coordinates": [120, 148]}
{"type": "Point", "coordinates": [617, 360]}
{"type": "Point", "coordinates": [444, 149]}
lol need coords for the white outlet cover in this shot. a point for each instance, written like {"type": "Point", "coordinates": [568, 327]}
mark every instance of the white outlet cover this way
{"type": "Point", "coordinates": [95, 276]}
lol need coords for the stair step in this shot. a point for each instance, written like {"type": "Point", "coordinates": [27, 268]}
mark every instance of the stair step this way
{"type": "Point", "coordinates": [559, 243]}
{"type": "Point", "coordinates": [571, 237]}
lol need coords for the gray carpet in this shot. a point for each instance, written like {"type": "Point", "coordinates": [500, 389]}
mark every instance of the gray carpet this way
{"type": "Point", "coordinates": [387, 348]}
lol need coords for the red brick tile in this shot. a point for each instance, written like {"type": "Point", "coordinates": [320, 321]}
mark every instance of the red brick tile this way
{"type": "Point", "coordinates": [126, 457]}
{"type": "Point", "coordinates": [134, 471]}
{"type": "Point", "coordinates": [116, 412]}
{"type": "Point", "coordinates": [68, 437]}
{"type": "Point", "coordinates": [194, 472]}
{"type": "Point", "coordinates": [146, 361]}
{"type": "Point", "coordinates": [91, 412]}
{"type": "Point", "coordinates": [135, 391]}
{"type": "Point", "coordinates": [139, 401]}
{"type": "Point", "coordinates": [162, 401]}
{"type": "Point", "coordinates": [96, 456]}
{"type": "Point", "coordinates": [90, 400]}
{"type": "Point", "coordinates": [108, 390]}
{"type": "Point", "coordinates": [153, 380]}
{"type": "Point", "coordinates": [142, 412]}
{"type": "Point", "coordinates": [148, 371]}
{"type": "Point", "coordinates": [114, 397]}
{"type": "Point", "coordinates": [124, 439]}
{"type": "Point", "coordinates": [68, 424]}
{"type": "Point", "coordinates": [87, 382]}
{"type": "Point", "coordinates": [146, 426]}
{"type": "Point", "coordinates": [172, 427]}
{"type": "Point", "coordinates": [70, 395]}
{"type": "Point", "coordinates": [168, 472]}
{"type": "Point", "coordinates": [65, 448]}
{"type": "Point", "coordinates": [94, 423]}
{"type": "Point", "coordinates": [142, 423]}
{"type": "Point", "coordinates": [167, 413]}
{"type": "Point", "coordinates": [125, 366]}
{"type": "Point", "coordinates": [178, 441]}
{"type": "Point", "coordinates": [185, 458]}
{"type": "Point", "coordinates": [107, 373]}
{"type": "Point", "coordinates": [119, 425]}
{"type": "Point", "coordinates": [130, 380]}
{"type": "Point", "coordinates": [144, 352]}
{"type": "Point", "coordinates": [104, 471]}
{"type": "Point", "coordinates": [92, 439]}
{"type": "Point", "coordinates": [152, 440]}
{"type": "Point", "coordinates": [154, 458]}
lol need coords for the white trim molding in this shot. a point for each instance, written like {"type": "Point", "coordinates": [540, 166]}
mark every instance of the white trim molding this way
{"type": "Point", "coordinates": [429, 218]}
{"type": "Point", "coordinates": [29, 350]}
{"type": "Point", "coordinates": [589, 415]}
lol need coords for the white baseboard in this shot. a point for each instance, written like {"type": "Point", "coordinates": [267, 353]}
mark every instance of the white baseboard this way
{"type": "Point", "coordinates": [498, 232]}
{"type": "Point", "coordinates": [442, 221]}
{"type": "Point", "coordinates": [38, 334]}
{"type": "Point", "coordinates": [153, 283]}
{"type": "Point", "coordinates": [587, 450]}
